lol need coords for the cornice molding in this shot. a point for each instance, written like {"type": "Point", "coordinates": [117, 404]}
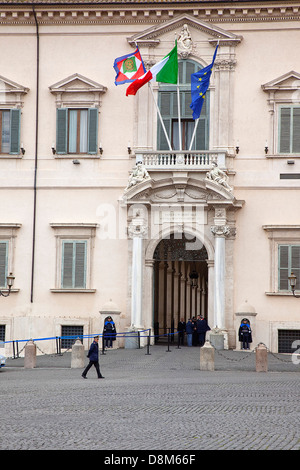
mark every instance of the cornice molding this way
{"type": "Point", "coordinates": [146, 12]}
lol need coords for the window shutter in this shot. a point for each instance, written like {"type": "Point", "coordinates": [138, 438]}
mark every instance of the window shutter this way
{"type": "Point", "coordinates": [165, 109]}
{"type": "Point", "coordinates": [283, 267]}
{"type": "Point", "coordinates": [295, 263]}
{"type": "Point", "coordinates": [15, 118]}
{"type": "Point", "coordinates": [285, 130]}
{"type": "Point", "coordinates": [93, 131]}
{"type": "Point", "coordinates": [3, 263]}
{"type": "Point", "coordinates": [201, 135]}
{"type": "Point", "coordinates": [296, 130]}
{"type": "Point", "coordinates": [67, 265]}
{"type": "Point", "coordinates": [61, 130]}
{"type": "Point", "coordinates": [74, 265]}
{"type": "Point", "coordinates": [80, 264]}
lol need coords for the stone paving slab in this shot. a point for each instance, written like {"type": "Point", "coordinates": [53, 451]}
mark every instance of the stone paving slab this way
{"type": "Point", "coordinates": [156, 402]}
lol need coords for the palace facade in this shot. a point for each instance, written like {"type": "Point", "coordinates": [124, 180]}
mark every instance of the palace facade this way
{"type": "Point", "coordinates": [210, 227]}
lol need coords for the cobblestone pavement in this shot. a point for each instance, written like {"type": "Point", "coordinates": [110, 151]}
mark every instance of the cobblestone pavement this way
{"type": "Point", "coordinates": [161, 401]}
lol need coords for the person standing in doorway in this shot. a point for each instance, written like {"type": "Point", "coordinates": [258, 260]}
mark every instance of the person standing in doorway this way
{"type": "Point", "coordinates": [189, 332]}
{"type": "Point", "coordinates": [109, 332]}
{"type": "Point", "coordinates": [202, 328]}
{"type": "Point", "coordinates": [181, 329]}
{"type": "Point", "coordinates": [93, 356]}
{"type": "Point", "coordinates": [245, 334]}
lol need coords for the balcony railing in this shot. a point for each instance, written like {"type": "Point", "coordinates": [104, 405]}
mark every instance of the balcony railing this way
{"type": "Point", "coordinates": [179, 160]}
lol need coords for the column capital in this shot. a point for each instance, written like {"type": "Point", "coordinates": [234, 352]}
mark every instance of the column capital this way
{"type": "Point", "coordinates": [220, 230]}
{"type": "Point", "coordinates": [137, 229]}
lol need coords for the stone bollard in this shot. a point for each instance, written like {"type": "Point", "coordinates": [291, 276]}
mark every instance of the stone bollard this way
{"type": "Point", "coordinates": [216, 338]}
{"type": "Point", "coordinates": [30, 355]}
{"type": "Point", "coordinates": [77, 360]}
{"type": "Point", "coordinates": [261, 358]}
{"type": "Point", "coordinates": [207, 357]}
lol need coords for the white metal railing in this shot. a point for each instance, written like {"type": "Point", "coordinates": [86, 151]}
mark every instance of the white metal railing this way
{"type": "Point", "coordinates": [188, 160]}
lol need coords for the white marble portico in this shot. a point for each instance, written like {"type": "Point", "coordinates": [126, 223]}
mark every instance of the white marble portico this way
{"type": "Point", "coordinates": [181, 204]}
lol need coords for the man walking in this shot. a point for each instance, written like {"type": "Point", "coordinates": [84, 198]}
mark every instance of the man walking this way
{"type": "Point", "coordinates": [93, 356]}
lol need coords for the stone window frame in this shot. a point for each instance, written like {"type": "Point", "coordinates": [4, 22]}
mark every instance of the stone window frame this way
{"type": "Point", "coordinates": [12, 99]}
{"type": "Point", "coordinates": [279, 235]}
{"type": "Point", "coordinates": [8, 232]}
{"type": "Point", "coordinates": [77, 92]}
{"type": "Point", "coordinates": [75, 231]}
{"type": "Point", "coordinates": [283, 91]}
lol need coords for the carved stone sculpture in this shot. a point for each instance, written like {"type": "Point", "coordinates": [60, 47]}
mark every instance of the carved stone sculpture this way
{"type": "Point", "coordinates": [184, 43]}
{"type": "Point", "coordinates": [219, 176]}
{"type": "Point", "coordinates": [139, 174]}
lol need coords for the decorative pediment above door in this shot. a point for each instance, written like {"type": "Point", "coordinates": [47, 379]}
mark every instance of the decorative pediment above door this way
{"type": "Point", "coordinates": [180, 189]}
{"type": "Point", "coordinates": [152, 37]}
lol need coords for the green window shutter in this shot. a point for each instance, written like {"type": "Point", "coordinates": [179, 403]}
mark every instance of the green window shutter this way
{"type": "Point", "coordinates": [296, 130]}
{"type": "Point", "coordinates": [283, 265]}
{"type": "Point", "coordinates": [3, 263]}
{"type": "Point", "coordinates": [73, 264]}
{"type": "Point", "coordinates": [164, 100]}
{"type": "Point", "coordinates": [288, 261]}
{"type": "Point", "coordinates": [285, 130]}
{"type": "Point", "coordinates": [67, 265]}
{"type": "Point", "coordinates": [80, 264]}
{"type": "Point", "coordinates": [93, 131]}
{"type": "Point", "coordinates": [61, 130]}
{"type": "Point", "coordinates": [15, 119]}
{"type": "Point", "coordinates": [295, 262]}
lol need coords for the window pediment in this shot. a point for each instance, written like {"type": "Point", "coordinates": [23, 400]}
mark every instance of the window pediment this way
{"type": "Point", "coordinates": [284, 89]}
{"type": "Point", "coordinates": [11, 93]}
{"type": "Point", "coordinates": [77, 90]}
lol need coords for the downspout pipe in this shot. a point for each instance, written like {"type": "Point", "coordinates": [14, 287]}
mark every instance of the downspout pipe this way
{"type": "Point", "coordinates": [36, 151]}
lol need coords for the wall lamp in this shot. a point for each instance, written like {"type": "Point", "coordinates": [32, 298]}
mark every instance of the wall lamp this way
{"type": "Point", "coordinates": [101, 149]}
{"type": "Point", "coordinates": [293, 281]}
{"type": "Point", "coordinates": [53, 149]}
{"type": "Point", "coordinates": [266, 148]}
{"type": "Point", "coordinates": [22, 149]}
{"type": "Point", "coordinates": [10, 282]}
{"type": "Point", "coordinates": [129, 148]}
{"type": "Point", "coordinates": [237, 149]}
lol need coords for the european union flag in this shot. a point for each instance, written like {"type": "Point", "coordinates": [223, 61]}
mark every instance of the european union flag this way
{"type": "Point", "coordinates": [199, 86]}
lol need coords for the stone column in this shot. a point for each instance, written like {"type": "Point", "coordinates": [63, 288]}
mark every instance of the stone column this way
{"type": "Point", "coordinates": [137, 230]}
{"type": "Point", "coordinates": [137, 282]}
{"type": "Point", "coordinates": [220, 232]}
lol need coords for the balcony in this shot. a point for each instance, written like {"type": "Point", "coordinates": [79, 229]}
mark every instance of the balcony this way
{"type": "Point", "coordinates": [196, 160]}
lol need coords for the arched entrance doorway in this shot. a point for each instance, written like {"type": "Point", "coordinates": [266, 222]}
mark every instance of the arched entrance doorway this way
{"type": "Point", "coordinates": [180, 281]}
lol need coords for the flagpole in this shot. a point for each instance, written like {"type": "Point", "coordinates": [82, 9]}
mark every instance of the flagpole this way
{"type": "Point", "coordinates": [161, 120]}
{"type": "Point", "coordinates": [178, 106]}
{"type": "Point", "coordinates": [194, 133]}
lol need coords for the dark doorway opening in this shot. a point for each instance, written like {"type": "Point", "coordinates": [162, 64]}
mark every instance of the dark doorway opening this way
{"type": "Point", "coordinates": [180, 283]}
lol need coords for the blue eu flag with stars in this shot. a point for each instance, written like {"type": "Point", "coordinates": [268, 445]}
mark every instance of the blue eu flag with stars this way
{"type": "Point", "coordinates": [199, 86]}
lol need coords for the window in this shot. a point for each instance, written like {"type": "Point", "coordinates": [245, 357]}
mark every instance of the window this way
{"type": "Point", "coordinates": [289, 131]}
{"type": "Point", "coordinates": [168, 104]}
{"type": "Point", "coordinates": [74, 257]}
{"type": "Point", "coordinates": [287, 339]}
{"type": "Point", "coordinates": [3, 262]}
{"type": "Point", "coordinates": [73, 331]}
{"type": "Point", "coordinates": [2, 332]}
{"type": "Point", "coordinates": [288, 261]}
{"type": "Point", "coordinates": [74, 264]}
{"type": "Point", "coordinates": [10, 131]}
{"type": "Point", "coordinates": [77, 131]}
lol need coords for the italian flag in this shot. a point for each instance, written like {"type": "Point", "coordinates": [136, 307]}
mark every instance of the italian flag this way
{"type": "Point", "coordinates": [165, 71]}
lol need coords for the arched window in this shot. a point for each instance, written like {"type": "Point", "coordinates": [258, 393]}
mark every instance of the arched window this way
{"type": "Point", "coordinates": [168, 105]}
